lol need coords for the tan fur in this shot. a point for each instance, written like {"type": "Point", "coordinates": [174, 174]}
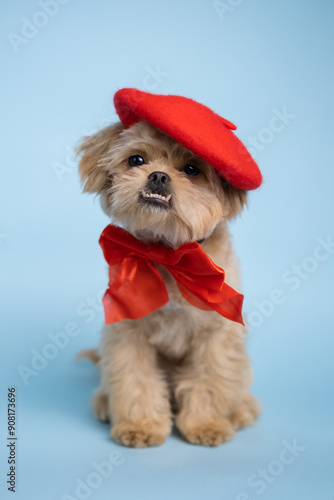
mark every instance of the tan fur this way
{"type": "Point", "coordinates": [179, 360]}
{"type": "Point", "coordinates": [91, 354]}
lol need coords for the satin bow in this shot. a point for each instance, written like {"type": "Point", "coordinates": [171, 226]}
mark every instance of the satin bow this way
{"type": "Point", "coordinates": [136, 287]}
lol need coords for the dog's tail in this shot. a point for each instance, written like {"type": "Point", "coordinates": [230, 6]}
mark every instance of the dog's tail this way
{"type": "Point", "coordinates": [92, 354]}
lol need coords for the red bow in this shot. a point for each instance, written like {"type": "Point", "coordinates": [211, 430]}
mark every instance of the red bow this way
{"type": "Point", "coordinates": [136, 287]}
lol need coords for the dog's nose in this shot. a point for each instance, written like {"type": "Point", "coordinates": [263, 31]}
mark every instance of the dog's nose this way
{"type": "Point", "coordinates": [159, 179]}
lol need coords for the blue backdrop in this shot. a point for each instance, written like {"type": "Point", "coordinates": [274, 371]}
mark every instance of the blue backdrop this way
{"type": "Point", "coordinates": [266, 66]}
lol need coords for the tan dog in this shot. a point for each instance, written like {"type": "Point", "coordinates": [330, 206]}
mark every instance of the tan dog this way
{"type": "Point", "coordinates": [178, 353]}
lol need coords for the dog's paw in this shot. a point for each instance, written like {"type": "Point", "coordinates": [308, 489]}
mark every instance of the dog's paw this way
{"type": "Point", "coordinates": [100, 406]}
{"type": "Point", "coordinates": [207, 434]}
{"type": "Point", "coordinates": [246, 414]}
{"type": "Point", "coordinates": [140, 435]}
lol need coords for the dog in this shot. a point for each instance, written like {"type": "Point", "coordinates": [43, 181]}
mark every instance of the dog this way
{"type": "Point", "coordinates": [179, 363]}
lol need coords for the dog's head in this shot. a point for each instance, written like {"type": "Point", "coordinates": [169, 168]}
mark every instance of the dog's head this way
{"type": "Point", "coordinates": [154, 187]}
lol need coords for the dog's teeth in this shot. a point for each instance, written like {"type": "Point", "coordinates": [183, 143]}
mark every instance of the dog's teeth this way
{"type": "Point", "coordinates": [157, 196]}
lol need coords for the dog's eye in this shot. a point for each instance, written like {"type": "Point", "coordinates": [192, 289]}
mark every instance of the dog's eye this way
{"type": "Point", "coordinates": [191, 170]}
{"type": "Point", "coordinates": [136, 161]}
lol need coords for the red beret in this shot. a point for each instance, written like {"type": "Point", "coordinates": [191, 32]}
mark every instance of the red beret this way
{"type": "Point", "coordinates": [197, 127]}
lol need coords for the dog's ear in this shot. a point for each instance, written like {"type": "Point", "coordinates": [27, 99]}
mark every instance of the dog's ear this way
{"type": "Point", "coordinates": [93, 148]}
{"type": "Point", "coordinates": [235, 198]}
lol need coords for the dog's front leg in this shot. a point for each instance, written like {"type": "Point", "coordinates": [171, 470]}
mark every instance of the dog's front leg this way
{"type": "Point", "coordinates": [212, 387]}
{"type": "Point", "coordinates": [138, 396]}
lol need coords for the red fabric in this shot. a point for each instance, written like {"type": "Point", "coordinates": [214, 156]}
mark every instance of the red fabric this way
{"type": "Point", "coordinates": [136, 287]}
{"type": "Point", "coordinates": [197, 127]}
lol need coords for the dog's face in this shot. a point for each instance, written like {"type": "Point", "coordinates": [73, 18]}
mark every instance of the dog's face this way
{"type": "Point", "coordinates": [154, 187]}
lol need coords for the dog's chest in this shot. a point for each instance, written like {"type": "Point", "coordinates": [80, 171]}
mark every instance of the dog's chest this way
{"type": "Point", "coordinates": [172, 328]}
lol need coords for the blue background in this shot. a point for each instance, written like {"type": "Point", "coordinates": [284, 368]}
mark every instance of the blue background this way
{"type": "Point", "coordinates": [248, 60]}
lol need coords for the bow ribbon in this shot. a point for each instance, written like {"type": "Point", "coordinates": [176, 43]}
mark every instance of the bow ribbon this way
{"type": "Point", "coordinates": [136, 287]}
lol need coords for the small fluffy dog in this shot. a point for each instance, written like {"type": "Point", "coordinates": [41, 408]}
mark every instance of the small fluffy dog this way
{"type": "Point", "coordinates": [179, 361]}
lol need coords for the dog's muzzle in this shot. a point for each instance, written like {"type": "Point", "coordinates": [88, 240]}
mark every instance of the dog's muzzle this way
{"type": "Point", "coordinates": [157, 190]}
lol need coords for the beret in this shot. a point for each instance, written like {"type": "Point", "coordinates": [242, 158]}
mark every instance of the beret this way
{"type": "Point", "coordinates": [196, 127]}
